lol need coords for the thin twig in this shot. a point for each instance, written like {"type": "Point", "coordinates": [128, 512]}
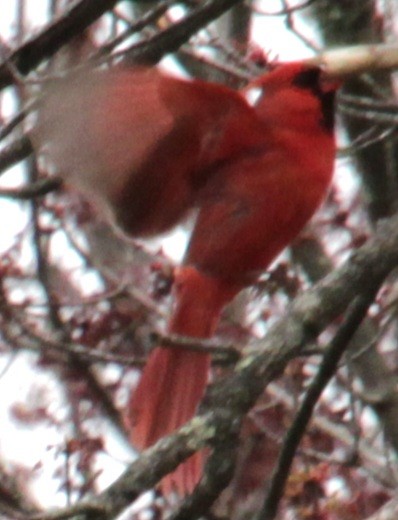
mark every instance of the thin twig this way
{"type": "Point", "coordinates": [14, 153]}
{"type": "Point", "coordinates": [285, 11]}
{"type": "Point", "coordinates": [149, 17]}
{"type": "Point", "coordinates": [226, 403]}
{"type": "Point", "coordinates": [32, 191]}
{"type": "Point", "coordinates": [74, 21]}
{"type": "Point", "coordinates": [355, 314]}
{"type": "Point", "coordinates": [228, 353]}
{"type": "Point", "coordinates": [171, 39]}
{"type": "Point", "coordinates": [375, 116]}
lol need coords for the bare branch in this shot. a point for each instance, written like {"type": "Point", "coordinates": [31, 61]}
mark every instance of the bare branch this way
{"type": "Point", "coordinates": [285, 11]}
{"type": "Point", "coordinates": [225, 402]}
{"type": "Point", "coordinates": [355, 314]}
{"type": "Point", "coordinates": [53, 37]}
{"type": "Point", "coordinates": [31, 191]}
{"type": "Point", "coordinates": [169, 40]}
{"type": "Point", "coordinates": [357, 59]}
{"type": "Point", "coordinates": [388, 511]}
{"type": "Point", "coordinates": [15, 152]}
{"type": "Point", "coordinates": [223, 353]}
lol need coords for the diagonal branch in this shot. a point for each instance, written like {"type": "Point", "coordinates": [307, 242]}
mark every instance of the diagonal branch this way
{"type": "Point", "coordinates": [389, 511]}
{"type": "Point", "coordinates": [355, 314]}
{"type": "Point", "coordinates": [169, 40]}
{"type": "Point", "coordinates": [33, 190]}
{"type": "Point", "coordinates": [53, 37]}
{"type": "Point", "coordinates": [83, 14]}
{"type": "Point", "coordinates": [218, 473]}
{"type": "Point", "coordinates": [228, 400]}
{"type": "Point", "coordinates": [16, 151]}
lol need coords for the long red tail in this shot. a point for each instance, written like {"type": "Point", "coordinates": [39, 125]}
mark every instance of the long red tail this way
{"type": "Point", "coordinates": [174, 380]}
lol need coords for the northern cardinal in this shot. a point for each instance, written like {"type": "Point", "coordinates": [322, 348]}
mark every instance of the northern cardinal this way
{"type": "Point", "coordinates": [148, 147]}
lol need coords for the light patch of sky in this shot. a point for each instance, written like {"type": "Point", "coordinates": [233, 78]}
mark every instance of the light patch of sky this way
{"type": "Point", "coordinates": [174, 245]}
{"type": "Point", "coordinates": [13, 213]}
{"type": "Point", "coordinates": [36, 14]}
{"type": "Point", "coordinates": [267, 31]}
{"type": "Point", "coordinates": [336, 487]}
{"type": "Point", "coordinates": [59, 243]}
{"type": "Point", "coordinates": [67, 259]}
{"type": "Point", "coordinates": [34, 447]}
{"type": "Point", "coordinates": [345, 177]}
{"type": "Point", "coordinates": [7, 20]}
{"type": "Point", "coordinates": [14, 218]}
{"type": "Point", "coordinates": [23, 444]}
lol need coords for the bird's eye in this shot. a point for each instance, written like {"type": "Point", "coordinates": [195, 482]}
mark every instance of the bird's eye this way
{"type": "Point", "coordinates": [307, 78]}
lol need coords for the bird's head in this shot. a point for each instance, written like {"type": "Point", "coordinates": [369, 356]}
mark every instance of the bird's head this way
{"type": "Point", "coordinates": [296, 88]}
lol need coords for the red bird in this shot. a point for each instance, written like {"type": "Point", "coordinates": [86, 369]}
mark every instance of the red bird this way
{"type": "Point", "coordinates": [149, 147]}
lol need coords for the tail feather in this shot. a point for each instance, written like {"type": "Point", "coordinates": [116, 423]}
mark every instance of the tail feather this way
{"type": "Point", "coordinates": [174, 380]}
{"type": "Point", "coordinates": [167, 396]}
{"type": "Point", "coordinates": [170, 396]}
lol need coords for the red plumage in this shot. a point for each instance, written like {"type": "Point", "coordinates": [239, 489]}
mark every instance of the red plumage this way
{"type": "Point", "coordinates": [153, 147]}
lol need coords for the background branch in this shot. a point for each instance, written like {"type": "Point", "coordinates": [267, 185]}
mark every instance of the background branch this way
{"type": "Point", "coordinates": [225, 404]}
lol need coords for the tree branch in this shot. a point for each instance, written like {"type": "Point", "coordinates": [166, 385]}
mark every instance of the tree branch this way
{"type": "Point", "coordinates": [169, 40]}
{"type": "Point", "coordinates": [218, 473]}
{"type": "Point", "coordinates": [82, 15]}
{"type": "Point", "coordinates": [355, 314]}
{"type": "Point", "coordinates": [388, 511]}
{"type": "Point", "coordinates": [228, 400]}
{"type": "Point", "coordinates": [33, 190]}
{"type": "Point", "coordinates": [15, 152]}
{"type": "Point", "coordinates": [53, 37]}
